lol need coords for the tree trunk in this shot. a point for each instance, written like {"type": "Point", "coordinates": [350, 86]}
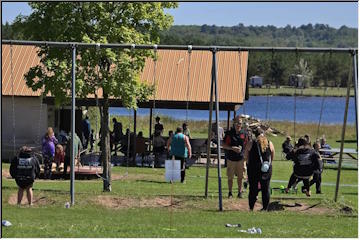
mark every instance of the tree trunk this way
{"type": "Point", "coordinates": [105, 145]}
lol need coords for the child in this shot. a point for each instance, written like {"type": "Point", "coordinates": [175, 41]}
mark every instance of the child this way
{"type": "Point", "coordinates": [59, 156]}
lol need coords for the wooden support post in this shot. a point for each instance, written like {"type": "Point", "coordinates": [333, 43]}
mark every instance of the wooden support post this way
{"type": "Point", "coordinates": [228, 121]}
{"type": "Point", "coordinates": [134, 140]}
{"type": "Point", "coordinates": [150, 127]}
{"type": "Point", "coordinates": [343, 132]}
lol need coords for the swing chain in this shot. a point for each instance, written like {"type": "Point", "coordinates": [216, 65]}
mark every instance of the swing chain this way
{"type": "Point", "coordinates": [188, 82]}
{"type": "Point", "coordinates": [13, 97]}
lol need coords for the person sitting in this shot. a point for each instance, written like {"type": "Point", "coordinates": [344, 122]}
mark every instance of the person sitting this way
{"type": "Point", "coordinates": [286, 146]}
{"type": "Point", "coordinates": [305, 158]}
{"type": "Point", "coordinates": [25, 169]}
{"type": "Point", "coordinates": [159, 126]}
{"type": "Point", "coordinates": [59, 156]}
{"type": "Point", "coordinates": [324, 145]}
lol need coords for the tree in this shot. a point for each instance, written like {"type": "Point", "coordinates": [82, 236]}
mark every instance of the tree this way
{"type": "Point", "coordinates": [115, 72]}
{"type": "Point", "coordinates": [303, 69]}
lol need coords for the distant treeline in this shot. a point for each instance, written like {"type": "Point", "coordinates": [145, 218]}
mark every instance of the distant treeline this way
{"type": "Point", "coordinates": [320, 69]}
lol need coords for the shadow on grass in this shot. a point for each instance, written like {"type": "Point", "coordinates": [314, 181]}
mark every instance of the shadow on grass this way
{"type": "Point", "coordinates": [152, 181]}
{"type": "Point", "coordinates": [277, 206]}
{"type": "Point", "coordinates": [352, 193]}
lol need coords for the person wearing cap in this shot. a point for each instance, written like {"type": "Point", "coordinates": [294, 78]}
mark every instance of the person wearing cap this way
{"type": "Point", "coordinates": [25, 168]}
{"type": "Point", "coordinates": [234, 142]}
{"type": "Point", "coordinates": [259, 168]}
{"type": "Point", "coordinates": [305, 159]}
{"type": "Point", "coordinates": [159, 126]}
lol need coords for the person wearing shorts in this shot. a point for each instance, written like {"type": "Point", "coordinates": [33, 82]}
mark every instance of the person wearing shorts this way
{"type": "Point", "coordinates": [234, 143]}
{"type": "Point", "coordinates": [25, 168]}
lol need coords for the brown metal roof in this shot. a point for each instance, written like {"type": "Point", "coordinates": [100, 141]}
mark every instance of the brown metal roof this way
{"type": "Point", "coordinates": [24, 57]}
{"type": "Point", "coordinates": [172, 83]}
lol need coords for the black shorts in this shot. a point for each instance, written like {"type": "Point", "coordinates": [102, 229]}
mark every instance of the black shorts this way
{"type": "Point", "coordinates": [24, 184]}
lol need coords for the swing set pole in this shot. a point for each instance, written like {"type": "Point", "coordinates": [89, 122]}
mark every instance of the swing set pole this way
{"type": "Point", "coordinates": [72, 149]}
{"type": "Point", "coordinates": [177, 47]}
{"type": "Point", "coordinates": [211, 106]}
{"type": "Point", "coordinates": [344, 123]}
{"type": "Point", "coordinates": [215, 80]}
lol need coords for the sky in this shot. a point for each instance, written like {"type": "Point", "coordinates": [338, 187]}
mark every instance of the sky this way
{"type": "Point", "coordinates": [278, 14]}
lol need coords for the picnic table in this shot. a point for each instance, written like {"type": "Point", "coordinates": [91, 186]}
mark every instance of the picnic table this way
{"type": "Point", "coordinates": [334, 152]}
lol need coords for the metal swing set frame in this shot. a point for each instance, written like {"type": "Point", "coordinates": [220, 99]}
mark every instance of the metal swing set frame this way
{"type": "Point", "coordinates": [213, 93]}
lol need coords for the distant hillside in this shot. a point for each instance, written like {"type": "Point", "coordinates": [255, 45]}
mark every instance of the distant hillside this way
{"type": "Point", "coordinates": [318, 35]}
{"type": "Point", "coordinates": [321, 69]}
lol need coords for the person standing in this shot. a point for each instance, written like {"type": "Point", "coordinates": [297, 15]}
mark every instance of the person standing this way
{"type": "Point", "coordinates": [186, 130]}
{"type": "Point", "coordinates": [180, 148]}
{"type": "Point", "coordinates": [159, 126]}
{"type": "Point", "coordinates": [92, 140]}
{"type": "Point", "coordinates": [318, 168]}
{"type": "Point", "coordinates": [77, 150]}
{"type": "Point", "coordinates": [259, 168]}
{"type": "Point", "coordinates": [86, 128]}
{"type": "Point", "coordinates": [48, 151]}
{"type": "Point", "coordinates": [25, 168]}
{"type": "Point", "coordinates": [234, 143]}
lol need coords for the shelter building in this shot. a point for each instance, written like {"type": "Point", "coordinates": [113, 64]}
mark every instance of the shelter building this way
{"type": "Point", "coordinates": [175, 89]}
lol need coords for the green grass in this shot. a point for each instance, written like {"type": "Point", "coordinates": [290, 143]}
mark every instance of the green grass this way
{"type": "Point", "coordinates": [289, 91]}
{"type": "Point", "coordinates": [195, 216]}
{"type": "Point", "coordinates": [192, 215]}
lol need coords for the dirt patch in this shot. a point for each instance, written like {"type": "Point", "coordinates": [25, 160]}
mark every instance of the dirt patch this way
{"type": "Point", "coordinates": [239, 205]}
{"type": "Point", "coordinates": [228, 204]}
{"type": "Point", "coordinates": [37, 200]}
{"type": "Point", "coordinates": [5, 174]}
{"type": "Point", "coordinates": [126, 202]}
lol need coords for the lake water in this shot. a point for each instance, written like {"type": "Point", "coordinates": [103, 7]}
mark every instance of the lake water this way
{"type": "Point", "coordinates": [280, 108]}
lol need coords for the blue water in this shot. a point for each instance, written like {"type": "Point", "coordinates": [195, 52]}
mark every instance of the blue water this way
{"type": "Point", "coordinates": [280, 108]}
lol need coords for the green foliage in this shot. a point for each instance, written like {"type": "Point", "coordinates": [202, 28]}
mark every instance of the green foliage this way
{"type": "Point", "coordinates": [115, 71]}
{"type": "Point", "coordinates": [277, 68]}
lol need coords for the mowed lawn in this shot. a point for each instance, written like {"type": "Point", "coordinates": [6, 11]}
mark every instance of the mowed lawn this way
{"type": "Point", "coordinates": [139, 206]}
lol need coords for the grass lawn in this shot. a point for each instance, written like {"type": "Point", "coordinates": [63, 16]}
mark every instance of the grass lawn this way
{"type": "Point", "coordinates": [289, 91]}
{"type": "Point", "coordinates": [139, 206]}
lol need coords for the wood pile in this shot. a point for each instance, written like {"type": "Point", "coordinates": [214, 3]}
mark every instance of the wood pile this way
{"type": "Point", "coordinates": [254, 123]}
